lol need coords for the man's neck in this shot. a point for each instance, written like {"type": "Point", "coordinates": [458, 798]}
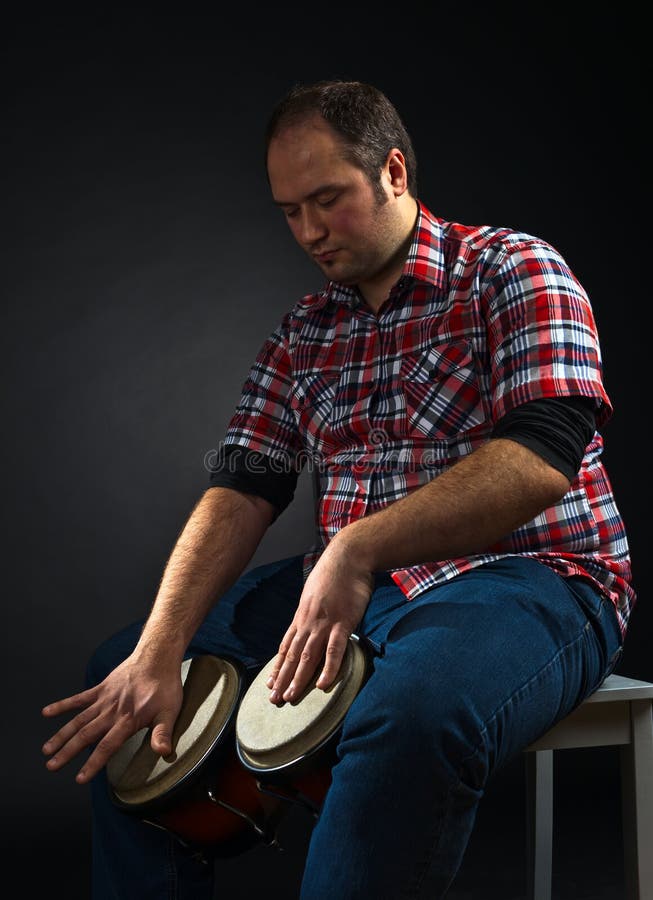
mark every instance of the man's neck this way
{"type": "Point", "coordinates": [375, 295]}
{"type": "Point", "coordinates": [376, 291]}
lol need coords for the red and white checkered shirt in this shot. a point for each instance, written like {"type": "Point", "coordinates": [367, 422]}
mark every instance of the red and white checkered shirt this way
{"type": "Point", "coordinates": [482, 320]}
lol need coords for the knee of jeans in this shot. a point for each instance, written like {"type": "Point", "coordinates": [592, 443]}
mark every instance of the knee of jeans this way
{"type": "Point", "coordinates": [434, 731]}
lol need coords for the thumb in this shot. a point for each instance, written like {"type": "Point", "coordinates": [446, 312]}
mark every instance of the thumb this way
{"type": "Point", "coordinates": [161, 740]}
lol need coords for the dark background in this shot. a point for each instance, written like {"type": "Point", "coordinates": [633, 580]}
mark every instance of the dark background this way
{"type": "Point", "coordinates": [143, 265]}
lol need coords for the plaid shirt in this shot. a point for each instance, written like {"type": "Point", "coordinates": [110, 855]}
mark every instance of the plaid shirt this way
{"type": "Point", "coordinates": [482, 320]}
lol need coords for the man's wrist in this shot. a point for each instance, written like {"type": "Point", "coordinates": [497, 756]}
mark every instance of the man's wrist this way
{"type": "Point", "coordinates": [354, 544]}
{"type": "Point", "coordinates": [159, 648]}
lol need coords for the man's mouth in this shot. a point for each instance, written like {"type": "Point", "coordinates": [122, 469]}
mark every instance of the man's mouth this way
{"type": "Point", "coordinates": [325, 256]}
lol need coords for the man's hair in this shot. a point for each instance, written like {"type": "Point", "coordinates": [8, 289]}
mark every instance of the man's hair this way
{"type": "Point", "coordinates": [363, 117]}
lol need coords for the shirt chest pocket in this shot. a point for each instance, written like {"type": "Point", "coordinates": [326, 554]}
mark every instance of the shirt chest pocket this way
{"type": "Point", "coordinates": [441, 390]}
{"type": "Point", "coordinates": [312, 401]}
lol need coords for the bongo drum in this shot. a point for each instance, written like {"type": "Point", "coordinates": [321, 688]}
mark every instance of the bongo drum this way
{"type": "Point", "coordinates": [290, 747]}
{"type": "Point", "coordinates": [200, 793]}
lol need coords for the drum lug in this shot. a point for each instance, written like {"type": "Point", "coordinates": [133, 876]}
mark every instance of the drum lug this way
{"type": "Point", "coordinates": [266, 837]}
{"type": "Point", "coordinates": [295, 797]}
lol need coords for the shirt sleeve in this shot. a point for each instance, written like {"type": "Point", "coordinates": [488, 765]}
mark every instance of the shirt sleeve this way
{"type": "Point", "coordinates": [543, 339]}
{"type": "Point", "coordinates": [251, 472]}
{"type": "Point", "coordinates": [263, 420]}
{"type": "Point", "coordinates": [558, 430]}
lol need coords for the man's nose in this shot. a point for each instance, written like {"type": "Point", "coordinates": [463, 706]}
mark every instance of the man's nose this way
{"type": "Point", "coordinates": [312, 227]}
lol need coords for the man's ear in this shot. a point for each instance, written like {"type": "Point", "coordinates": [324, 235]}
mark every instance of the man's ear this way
{"type": "Point", "coordinates": [395, 172]}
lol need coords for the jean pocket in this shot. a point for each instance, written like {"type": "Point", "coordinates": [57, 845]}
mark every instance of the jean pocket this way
{"type": "Point", "coordinates": [602, 629]}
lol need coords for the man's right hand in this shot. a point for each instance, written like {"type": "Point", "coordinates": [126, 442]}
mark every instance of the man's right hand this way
{"type": "Point", "coordinates": [145, 690]}
{"type": "Point", "coordinates": [131, 697]}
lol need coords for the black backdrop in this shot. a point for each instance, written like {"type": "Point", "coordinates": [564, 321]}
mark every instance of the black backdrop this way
{"type": "Point", "coordinates": [143, 264]}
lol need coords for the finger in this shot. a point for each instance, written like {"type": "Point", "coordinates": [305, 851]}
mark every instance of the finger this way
{"type": "Point", "coordinates": [85, 698]}
{"type": "Point", "coordinates": [288, 667]}
{"type": "Point", "coordinates": [161, 740]}
{"type": "Point", "coordinates": [281, 656]}
{"type": "Point", "coordinates": [85, 723]}
{"type": "Point", "coordinates": [333, 657]}
{"type": "Point", "coordinates": [113, 740]}
{"type": "Point", "coordinates": [309, 660]}
{"type": "Point", "coordinates": [93, 733]}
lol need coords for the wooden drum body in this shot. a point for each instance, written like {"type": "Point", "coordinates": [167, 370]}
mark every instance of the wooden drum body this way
{"type": "Point", "coordinates": [290, 747]}
{"type": "Point", "coordinates": [201, 792]}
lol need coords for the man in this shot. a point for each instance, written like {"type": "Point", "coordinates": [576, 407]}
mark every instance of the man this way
{"type": "Point", "coordinates": [447, 385]}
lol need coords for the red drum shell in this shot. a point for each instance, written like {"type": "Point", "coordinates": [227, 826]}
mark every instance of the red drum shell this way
{"type": "Point", "coordinates": [290, 747]}
{"type": "Point", "coordinates": [176, 793]}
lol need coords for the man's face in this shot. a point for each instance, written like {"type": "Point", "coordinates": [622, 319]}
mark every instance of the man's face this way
{"type": "Point", "coordinates": [349, 229]}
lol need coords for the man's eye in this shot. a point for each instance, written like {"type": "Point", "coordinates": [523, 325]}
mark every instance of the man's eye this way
{"type": "Point", "coordinates": [327, 201]}
{"type": "Point", "coordinates": [291, 213]}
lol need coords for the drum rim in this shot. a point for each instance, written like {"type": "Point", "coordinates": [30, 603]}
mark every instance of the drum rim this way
{"type": "Point", "coordinates": [263, 771]}
{"type": "Point", "coordinates": [151, 804]}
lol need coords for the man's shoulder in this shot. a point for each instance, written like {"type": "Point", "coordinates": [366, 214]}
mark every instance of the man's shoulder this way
{"type": "Point", "coordinates": [490, 249]}
{"type": "Point", "coordinates": [310, 303]}
{"type": "Point", "coordinates": [464, 239]}
{"type": "Point", "coordinates": [309, 307]}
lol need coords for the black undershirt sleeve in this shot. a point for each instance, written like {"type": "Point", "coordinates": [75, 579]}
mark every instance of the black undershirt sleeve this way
{"type": "Point", "coordinates": [251, 472]}
{"type": "Point", "coordinates": [556, 428]}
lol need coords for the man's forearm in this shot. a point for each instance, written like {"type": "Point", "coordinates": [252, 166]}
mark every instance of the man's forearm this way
{"type": "Point", "coordinates": [218, 540]}
{"type": "Point", "coordinates": [465, 510]}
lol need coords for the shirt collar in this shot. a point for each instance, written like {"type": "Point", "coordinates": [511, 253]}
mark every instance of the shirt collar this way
{"type": "Point", "coordinates": [425, 260]}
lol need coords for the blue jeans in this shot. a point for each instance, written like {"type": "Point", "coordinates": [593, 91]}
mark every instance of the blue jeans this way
{"type": "Point", "coordinates": [465, 677]}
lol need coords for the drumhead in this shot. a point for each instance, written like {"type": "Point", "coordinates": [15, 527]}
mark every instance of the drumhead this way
{"type": "Point", "coordinates": [139, 777]}
{"type": "Point", "coordinates": [272, 737]}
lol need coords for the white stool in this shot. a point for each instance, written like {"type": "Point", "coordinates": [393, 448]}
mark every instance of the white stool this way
{"type": "Point", "coordinates": [618, 713]}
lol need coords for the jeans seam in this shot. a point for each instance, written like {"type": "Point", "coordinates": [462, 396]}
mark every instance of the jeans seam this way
{"type": "Point", "coordinates": [413, 890]}
{"type": "Point", "coordinates": [524, 687]}
{"type": "Point", "coordinates": [431, 852]}
{"type": "Point", "coordinates": [171, 871]}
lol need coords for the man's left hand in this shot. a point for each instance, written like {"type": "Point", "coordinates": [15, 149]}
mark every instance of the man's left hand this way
{"type": "Point", "coordinates": [332, 604]}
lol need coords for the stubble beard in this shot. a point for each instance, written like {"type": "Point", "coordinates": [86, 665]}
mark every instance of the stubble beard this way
{"type": "Point", "coordinates": [370, 261]}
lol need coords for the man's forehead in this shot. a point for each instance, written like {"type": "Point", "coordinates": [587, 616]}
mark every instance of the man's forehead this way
{"type": "Point", "coordinates": [294, 128]}
{"type": "Point", "coordinates": [304, 141]}
{"type": "Point", "coordinates": [306, 159]}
